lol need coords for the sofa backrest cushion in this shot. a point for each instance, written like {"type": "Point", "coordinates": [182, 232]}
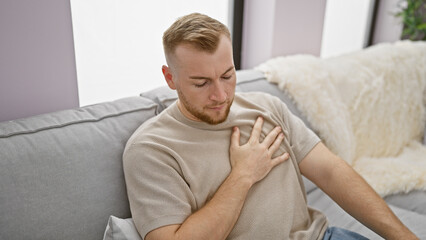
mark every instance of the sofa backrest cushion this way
{"type": "Point", "coordinates": [61, 174]}
{"type": "Point", "coordinates": [163, 96]}
{"type": "Point", "coordinates": [253, 80]}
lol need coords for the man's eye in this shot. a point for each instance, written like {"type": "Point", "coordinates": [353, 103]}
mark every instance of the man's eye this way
{"type": "Point", "coordinates": [200, 85]}
{"type": "Point", "coordinates": [227, 77]}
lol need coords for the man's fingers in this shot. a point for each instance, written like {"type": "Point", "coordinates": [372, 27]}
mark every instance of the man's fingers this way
{"type": "Point", "coordinates": [235, 137]}
{"type": "Point", "coordinates": [279, 159]}
{"type": "Point", "coordinates": [276, 145]}
{"type": "Point", "coordinates": [257, 129]}
{"type": "Point", "coordinates": [271, 137]}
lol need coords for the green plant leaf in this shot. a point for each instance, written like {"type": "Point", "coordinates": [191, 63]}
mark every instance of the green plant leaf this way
{"type": "Point", "coordinates": [421, 26]}
{"type": "Point", "coordinates": [413, 17]}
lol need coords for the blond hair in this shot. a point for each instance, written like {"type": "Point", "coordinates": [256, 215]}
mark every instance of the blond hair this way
{"type": "Point", "coordinates": [198, 30]}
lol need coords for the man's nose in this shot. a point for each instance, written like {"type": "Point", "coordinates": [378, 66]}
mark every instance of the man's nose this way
{"type": "Point", "coordinates": [218, 93]}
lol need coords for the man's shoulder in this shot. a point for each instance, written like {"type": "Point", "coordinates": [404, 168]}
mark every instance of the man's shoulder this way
{"type": "Point", "coordinates": [260, 99]}
{"type": "Point", "coordinates": [154, 126]}
{"type": "Point", "coordinates": [253, 94]}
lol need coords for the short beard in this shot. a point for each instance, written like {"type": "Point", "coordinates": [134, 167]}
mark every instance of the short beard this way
{"type": "Point", "coordinates": [200, 115]}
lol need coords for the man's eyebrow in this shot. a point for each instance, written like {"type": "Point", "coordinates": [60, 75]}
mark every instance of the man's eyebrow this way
{"type": "Point", "coordinates": [207, 78]}
{"type": "Point", "coordinates": [229, 69]}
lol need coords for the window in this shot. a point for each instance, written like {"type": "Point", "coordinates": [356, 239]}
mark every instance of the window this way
{"type": "Point", "coordinates": [118, 44]}
{"type": "Point", "coordinates": [347, 26]}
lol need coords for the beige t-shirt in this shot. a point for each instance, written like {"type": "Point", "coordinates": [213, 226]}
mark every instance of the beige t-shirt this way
{"type": "Point", "coordinates": [173, 166]}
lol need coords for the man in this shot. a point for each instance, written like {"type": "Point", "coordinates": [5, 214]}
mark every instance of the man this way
{"type": "Point", "coordinates": [220, 165]}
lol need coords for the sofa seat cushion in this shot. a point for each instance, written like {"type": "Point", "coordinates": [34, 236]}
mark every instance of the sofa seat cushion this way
{"type": "Point", "coordinates": [339, 218]}
{"type": "Point", "coordinates": [61, 174]}
{"type": "Point", "coordinates": [414, 201]}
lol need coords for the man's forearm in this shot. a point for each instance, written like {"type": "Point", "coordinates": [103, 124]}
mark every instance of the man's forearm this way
{"type": "Point", "coordinates": [355, 196]}
{"type": "Point", "coordinates": [348, 189]}
{"type": "Point", "coordinates": [217, 218]}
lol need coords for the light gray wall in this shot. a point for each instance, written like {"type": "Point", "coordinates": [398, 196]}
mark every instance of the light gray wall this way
{"type": "Point", "coordinates": [281, 27]}
{"type": "Point", "coordinates": [258, 32]}
{"type": "Point", "coordinates": [298, 27]}
{"type": "Point", "coordinates": [37, 63]}
{"type": "Point", "coordinates": [284, 27]}
{"type": "Point", "coordinates": [387, 28]}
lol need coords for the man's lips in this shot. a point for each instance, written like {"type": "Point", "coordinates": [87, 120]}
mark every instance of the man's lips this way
{"type": "Point", "coordinates": [217, 107]}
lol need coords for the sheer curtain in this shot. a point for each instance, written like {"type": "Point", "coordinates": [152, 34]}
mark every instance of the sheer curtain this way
{"type": "Point", "coordinates": [118, 43]}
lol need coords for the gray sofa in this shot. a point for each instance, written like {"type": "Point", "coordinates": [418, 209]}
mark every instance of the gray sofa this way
{"type": "Point", "coordinates": [61, 173]}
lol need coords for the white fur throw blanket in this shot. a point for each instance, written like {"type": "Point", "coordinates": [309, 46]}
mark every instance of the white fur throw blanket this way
{"type": "Point", "coordinates": [368, 107]}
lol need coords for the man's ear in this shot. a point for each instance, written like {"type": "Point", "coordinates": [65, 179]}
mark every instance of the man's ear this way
{"type": "Point", "coordinates": [168, 76]}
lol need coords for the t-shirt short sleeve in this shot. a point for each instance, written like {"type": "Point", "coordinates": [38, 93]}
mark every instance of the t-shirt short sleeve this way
{"type": "Point", "coordinates": [302, 139]}
{"type": "Point", "coordinates": [157, 191]}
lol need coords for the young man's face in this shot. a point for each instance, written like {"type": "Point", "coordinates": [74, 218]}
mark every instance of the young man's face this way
{"type": "Point", "coordinates": [205, 82]}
